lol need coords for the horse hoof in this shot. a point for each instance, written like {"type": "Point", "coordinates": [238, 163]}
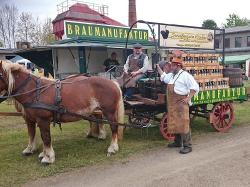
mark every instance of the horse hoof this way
{"type": "Point", "coordinates": [89, 136]}
{"type": "Point", "coordinates": [40, 159]}
{"type": "Point", "coordinates": [27, 153]}
{"type": "Point", "coordinates": [41, 156]}
{"type": "Point", "coordinates": [109, 154]}
{"type": "Point", "coordinates": [101, 138]}
{"type": "Point", "coordinates": [45, 163]}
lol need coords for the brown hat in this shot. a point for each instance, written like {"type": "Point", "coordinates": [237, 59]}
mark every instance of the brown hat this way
{"type": "Point", "coordinates": [177, 61]}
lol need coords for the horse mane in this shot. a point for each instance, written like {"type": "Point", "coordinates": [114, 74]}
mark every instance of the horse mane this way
{"type": "Point", "coordinates": [8, 67]}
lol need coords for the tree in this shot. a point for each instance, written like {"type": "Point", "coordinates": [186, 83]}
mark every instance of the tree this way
{"type": "Point", "coordinates": [35, 32]}
{"type": "Point", "coordinates": [234, 20]}
{"type": "Point", "coordinates": [8, 17]}
{"type": "Point", "coordinates": [26, 27]}
{"type": "Point", "coordinates": [209, 24]}
{"type": "Point", "coordinates": [36, 36]}
{"type": "Point", "coordinates": [47, 31]}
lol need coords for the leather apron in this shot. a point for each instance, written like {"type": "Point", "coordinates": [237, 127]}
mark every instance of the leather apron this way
{"type": "Point", "coordinates": [178, 112]}
{"type": "Point", "coordinates": [127, 80]}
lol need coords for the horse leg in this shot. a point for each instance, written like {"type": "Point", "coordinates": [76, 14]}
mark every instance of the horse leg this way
{"type": "Point", "coordinates": [102, 133]}
{"type": "Point", "coordinates": [93, 130]}
{"type": "Point", "coordinates": [97, 130]}
{"type": "Point", "coordinates": [48, 154]}
{"type": "Point", "coordinates": [113, 148]}
{"type": "Point", "coordinates": [33, 141]}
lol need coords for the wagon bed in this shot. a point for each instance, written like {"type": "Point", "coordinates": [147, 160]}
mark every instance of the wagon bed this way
{"type": "Point", "coordinates": [214, 105]}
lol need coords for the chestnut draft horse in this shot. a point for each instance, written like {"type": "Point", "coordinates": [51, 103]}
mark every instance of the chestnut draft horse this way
{"type": "Point", "coordinates": [79, 95]}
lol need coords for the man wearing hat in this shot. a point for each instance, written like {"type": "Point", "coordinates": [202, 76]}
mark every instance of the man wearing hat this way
{"type": "Point", "coordinates": [181, 88]}
{"type": "Point", "coordinates": [136, 65]}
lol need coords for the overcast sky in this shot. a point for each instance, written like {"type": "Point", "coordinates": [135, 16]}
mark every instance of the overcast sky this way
{"type": "Point", "coordinates": [185, 12]}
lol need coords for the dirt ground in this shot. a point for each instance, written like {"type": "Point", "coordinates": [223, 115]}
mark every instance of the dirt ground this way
{"type": "Point", "coordinates": [217, 160]}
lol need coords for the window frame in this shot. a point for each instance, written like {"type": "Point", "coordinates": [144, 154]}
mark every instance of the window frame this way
{"type": "Point", "coordinates": [248, 41]}
{"type": "Point", "coordinates": [227, 39]}
{"type": "Point", "coordinates": [239, 43]}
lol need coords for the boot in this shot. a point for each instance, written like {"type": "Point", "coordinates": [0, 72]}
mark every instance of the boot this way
{"type": "Point", "coordinates": [185, 150]}
{"type": "Point", "coordinates": [177, 141]}
{"type": "Point", "coordinates": [173, 145]}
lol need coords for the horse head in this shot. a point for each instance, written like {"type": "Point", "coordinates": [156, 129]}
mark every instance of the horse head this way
{"type": "Point", "coordinates": [7, 79]}
{"type": "Point", "coordinates": [3, 78]}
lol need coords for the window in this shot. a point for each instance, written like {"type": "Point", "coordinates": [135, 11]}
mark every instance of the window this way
{"type": "Point", "coordinates": [216, 43]}
{"type": "Point", "coordinates": [248, 41]}
{"type": "Point", "coordinates": [227, 42]}
{"type": "Point", "coordinates": [238, 41]}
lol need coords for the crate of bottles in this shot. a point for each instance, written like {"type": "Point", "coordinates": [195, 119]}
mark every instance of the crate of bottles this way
{"type": "Point", "coordinates": [212, 71]}
{"type": "Point", "coordinates": [201, 84]}
{"type": "Point", "coordinates": [223, 83]}
{"type": "Point", "coordinates": [210, 84]}
{"type": "Point", "coordinates": [212, 59]}
{"type": "Point", "coordinates": [188, 60]}
{"type": "Point", "coordinates": [200, 59]}
{"type": "Point", "coordinates": [213, 84]}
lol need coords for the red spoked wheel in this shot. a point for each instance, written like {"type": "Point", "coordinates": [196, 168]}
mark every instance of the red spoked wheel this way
{"type": "Point", "coordinates": [222, 116]}
{"type": "Point", "coordinates": [164, 128]}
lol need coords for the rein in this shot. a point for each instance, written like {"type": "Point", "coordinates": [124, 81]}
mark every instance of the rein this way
{"type": "Point", "coordinates": [24, 93]}
{"type": "Point", "coordinates": [61, 110]}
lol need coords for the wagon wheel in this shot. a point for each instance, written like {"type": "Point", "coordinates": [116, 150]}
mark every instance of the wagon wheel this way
{"type": "Point", "coordinates": [222, 116]}
{"type": "Point", "coordinates": [164, 128]}
{"type": "Point", "coordinates": [133, 119]}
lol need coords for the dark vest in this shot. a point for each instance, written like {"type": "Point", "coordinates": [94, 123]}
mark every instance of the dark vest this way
{"type": "Point", "coordinates": [140, 60]}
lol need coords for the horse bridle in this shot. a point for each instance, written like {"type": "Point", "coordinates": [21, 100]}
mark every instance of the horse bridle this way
{"type": "Point", "coordinates": [14, 92]}
{"type": "Point", "coordinates": [6, 93]}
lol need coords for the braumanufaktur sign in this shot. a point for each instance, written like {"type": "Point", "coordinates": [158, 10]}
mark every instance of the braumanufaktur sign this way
{"type": "Point", "coordinates": [213, 96]}
{"type": "Point", "coordinates": [103, 32]}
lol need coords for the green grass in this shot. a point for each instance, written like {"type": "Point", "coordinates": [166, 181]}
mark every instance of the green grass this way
{"type": "Point", "coordinates": [246, 83]}
{"type": "Point", "coordinates": [73, 150]}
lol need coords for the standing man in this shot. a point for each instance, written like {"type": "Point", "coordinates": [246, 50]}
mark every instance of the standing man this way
{"type": "Point", "coordinates": [110, 63]}
{"type": "Point", "coordinates": [136, 65]}
{"type": "Point", "coordinates": [181, 88]}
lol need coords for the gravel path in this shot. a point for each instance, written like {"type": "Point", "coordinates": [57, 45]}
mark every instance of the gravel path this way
{"type": "Point", "coordinates": [218, 159]}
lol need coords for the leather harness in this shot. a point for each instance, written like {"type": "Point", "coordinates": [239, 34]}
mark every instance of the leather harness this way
{"type": "Point", "coordinates": [55, 108]}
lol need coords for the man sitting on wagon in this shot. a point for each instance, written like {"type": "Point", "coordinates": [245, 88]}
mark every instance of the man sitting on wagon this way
{"type": "Point", "coordinates": [181, 88]}
{"type": "Point", "coordinates": [136, 65]}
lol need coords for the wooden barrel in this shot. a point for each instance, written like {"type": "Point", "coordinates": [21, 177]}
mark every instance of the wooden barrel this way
{"type": "Point", "coordinates": [235, 76]}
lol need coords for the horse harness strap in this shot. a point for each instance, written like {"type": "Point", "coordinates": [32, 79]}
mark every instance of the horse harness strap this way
{"type": "Point", "coordinates": [21, 85]}
{"type": "Point", "coordinates": [62, 110]}
{"type": "Point", "coordinates": [45, 106]}
{"type": "Point", "coordinates": [5, 96]}
{"type": "Point", "coordinates": [38, 91]}
{"type": "Point", "coordinates": [58, 100]}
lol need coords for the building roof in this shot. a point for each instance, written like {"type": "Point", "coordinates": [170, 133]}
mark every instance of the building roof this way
{"type": "Point", "coordinates": [238, 29]}
{"type": "Point", "coordinates": [6, 51]}
{"type": "Point", "coordinates": [235, 29]}
{"type": "Point", "coordinates": [78, 42]}
{"type": "Point", "coordinates": [81, 13]}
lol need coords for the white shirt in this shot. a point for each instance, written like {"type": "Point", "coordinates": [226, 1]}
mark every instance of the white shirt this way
{"type": "Point", "coordinates": [146, 65]}
{"type": "Point", "coordinates": [183, 82]}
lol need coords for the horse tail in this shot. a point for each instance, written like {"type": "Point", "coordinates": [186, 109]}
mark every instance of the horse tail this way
{"type": "Point", "coordinates": [120, 113]}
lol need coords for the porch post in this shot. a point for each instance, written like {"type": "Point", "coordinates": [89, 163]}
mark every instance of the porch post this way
{"type": "Point", "coordinates": [82, 60]}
